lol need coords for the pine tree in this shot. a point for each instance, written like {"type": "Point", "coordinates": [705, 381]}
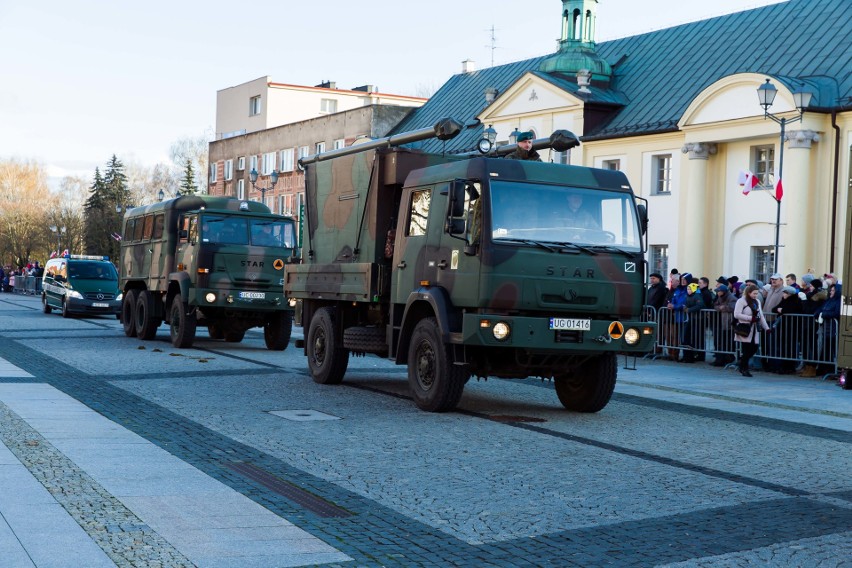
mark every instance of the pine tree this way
{"type": "Point", "coordinates": [187, 183]}
{"type": "Point", "coordinates": [95, 216]}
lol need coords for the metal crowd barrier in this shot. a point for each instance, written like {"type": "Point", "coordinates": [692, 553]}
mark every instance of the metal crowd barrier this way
{"type": "Point", "coordinates": [24, 284]}
{"type": "Point", "coordinates": [797, 339]}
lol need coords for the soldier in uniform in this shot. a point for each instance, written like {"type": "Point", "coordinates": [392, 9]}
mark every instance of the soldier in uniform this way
{"type": "Point", "coordinates": [524, 150]}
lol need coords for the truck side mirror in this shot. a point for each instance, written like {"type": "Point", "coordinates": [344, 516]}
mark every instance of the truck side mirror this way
{"type": "Point", "coordinates": [457, 192]}
{"type": "Point", "coordinates": [643, 217]}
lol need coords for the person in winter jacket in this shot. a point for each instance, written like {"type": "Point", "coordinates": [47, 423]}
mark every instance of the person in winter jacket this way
{"type": "Point", "coordinates": [677, 305]}
{"type": "Point", "coordinates": [722, 334]}
{"type": "Point", "coordinates": [748, 311]}
{"type": "Point", "coordinates": [828, 319]}
{"type": "Point", "coordinates": [693, 323]}
{"type": "Point", "coordinates": [656, 295]}
{"type": "Point", "coordinates": [815, 297]}
{"type": "Point", "coordinates": [784, 343]}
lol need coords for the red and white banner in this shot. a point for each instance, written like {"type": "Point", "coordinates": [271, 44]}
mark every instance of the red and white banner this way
{"type": "Point", "coordinates": [748, 180]}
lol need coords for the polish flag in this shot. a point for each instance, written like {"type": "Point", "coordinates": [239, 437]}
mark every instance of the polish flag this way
{"type": "Point", "coordinates": [748, 180]}
{"type": "Point", "coordinates": [779, 191]}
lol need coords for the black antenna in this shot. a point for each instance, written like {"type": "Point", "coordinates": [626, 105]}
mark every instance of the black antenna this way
{"type": "Point", "coordinates": [493, 45]}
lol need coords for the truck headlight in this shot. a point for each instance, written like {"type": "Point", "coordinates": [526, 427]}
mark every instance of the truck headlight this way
{"type": "Point", "coordinates": [210, 297]}
{"type": "Point", "coordinates": [501, 330]}
{"type": "Point", "coordinates": [631, 336]}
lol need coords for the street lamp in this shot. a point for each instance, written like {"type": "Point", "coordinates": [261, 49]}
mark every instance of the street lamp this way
{"type": "Point", "coordinates": [766, 96]}
{"type": "Point", "coordinates": [489, 137]}
{"type": "Point", "coordinates": [513, 137]}
{"type": "Point", "coordinates": [161, 195]}
{"type": "Point", "coordinates": [59, 232]}
{"type": "Point", "coordinates": [253, 178]}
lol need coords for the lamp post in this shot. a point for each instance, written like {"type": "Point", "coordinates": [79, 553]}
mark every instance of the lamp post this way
{"type": "Point", "coordinates": [766, 96]}
{"type": "Point", "coordinates": [59, 232]}
{"type": "Point", "coordinates": [253, 178]}
{"type": "Point", "coordinates": [161, 195]}
{"type": "Point", "coordinates": [513, 137]}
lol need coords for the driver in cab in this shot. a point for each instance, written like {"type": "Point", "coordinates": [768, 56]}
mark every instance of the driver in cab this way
{"type": "Point", "coordinates": [575, 216]}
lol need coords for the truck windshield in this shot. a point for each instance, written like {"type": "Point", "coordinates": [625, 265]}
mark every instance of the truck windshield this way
{"type": "Point", "coordinates": [266, 233]}
{"type": "Point", "coordinates": [563, 214]}
{"type": "Point", "coordinates": [218, 229]}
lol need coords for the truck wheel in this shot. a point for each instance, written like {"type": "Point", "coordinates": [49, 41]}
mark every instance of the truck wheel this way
{"type": "Point", "coordinates": [436, 382]}
{"type": "Point", "coordinates": [215, 331]}
{"type": "Point", "coordinates": [45, 307]}
{"type": "Point", "coordinates": [182, 326]}
{"type": "Point", "coordinates": [128, 313]}
{"type": "Point", "coordinates": [327, 359]}
{"type": "Point", "coordinates": [276, 331]}
{"type": "Point", "coordinates": [234, 336]}
{"type": "Point", "coordinates": [145, 320]}
{"type": "Point", "coordinates": [590, 386]}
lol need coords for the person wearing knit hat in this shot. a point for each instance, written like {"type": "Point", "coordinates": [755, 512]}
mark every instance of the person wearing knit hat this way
{"type": "Point", "coordinates": [692, 322]}
{"type": "Point", "coordinates": [722, 334]}
{"type": "Point", "coordinates": [784, 344]}
{"type": "Point", "coordinates": [524, 151]}
{"type": "Point", "coordinates": [722, 280]}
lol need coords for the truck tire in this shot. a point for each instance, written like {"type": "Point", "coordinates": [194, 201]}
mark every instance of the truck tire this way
{"type": "Point", "coordinates": [182, 326]}
{"type": "Point", "coordinates": [128, 313]}
{"type": "Point", "coordinates": [365, 339]}
{"type": "Point", "coordinates": [436, 382]}
{"type": "Point", "coordinates": [327, 359]}
{"type": "Point", "coordinates": [234, 336]}
{"type": "Point", "coordinates": [276, 331]}
{"type": "Point", "coordinates": [215, 331]}
{"type": "Point", "coordinates": [145, 320]}
{"type": "Point", "coordinates": [589, 388]}
{"type": "Point", "coordinates": [45, 307]}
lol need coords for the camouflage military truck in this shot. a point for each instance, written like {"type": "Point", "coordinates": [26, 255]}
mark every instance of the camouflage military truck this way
{"type": "Point", "coordinates": [471, 265]}
{"type": "Point", "coordinates": [209, 261]}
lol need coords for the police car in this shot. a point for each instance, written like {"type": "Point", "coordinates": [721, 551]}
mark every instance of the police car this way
{"type": "Point", "coordinates": [81, 284]}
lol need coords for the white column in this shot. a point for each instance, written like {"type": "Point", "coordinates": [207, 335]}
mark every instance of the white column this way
{"type": "Point", "coordinates": [797, 203]}
{"type": "Point", "coordinates": [693, 221]}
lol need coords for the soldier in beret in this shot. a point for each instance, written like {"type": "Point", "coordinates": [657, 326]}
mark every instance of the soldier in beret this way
{"type": "Point", "coordinates": [525, 150]}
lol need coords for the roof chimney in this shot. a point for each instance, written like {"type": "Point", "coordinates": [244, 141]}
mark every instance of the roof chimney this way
{"type": "Point", "coordinates": [468, 66]}
{"type": "Point", "coordinates": [327, 85]}
{"type": "Point", "coordinates": [366, 88]}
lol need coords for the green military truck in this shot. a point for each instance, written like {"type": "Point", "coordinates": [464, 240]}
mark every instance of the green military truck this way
{"type": "Point", "coordinates": [210, 261]}
{"type": "Point", "coordinates": [471, 265]}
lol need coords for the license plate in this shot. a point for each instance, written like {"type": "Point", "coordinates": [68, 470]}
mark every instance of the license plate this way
{"type": "Point", "coordinates": [253, 295]}
{"type": "Point", "coordinates": [99, 305]}
{"type": "Point", "coordinates": [571, 324]}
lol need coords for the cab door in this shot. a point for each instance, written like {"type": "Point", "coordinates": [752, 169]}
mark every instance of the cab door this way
{"type": "Point", "coordinates": [418, 234]}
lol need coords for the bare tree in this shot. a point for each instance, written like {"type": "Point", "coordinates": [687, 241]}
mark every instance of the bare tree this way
{"type": "Point", "coordinates": [25, 200]}
{"type": "Point", "coordinates": [194, 150]}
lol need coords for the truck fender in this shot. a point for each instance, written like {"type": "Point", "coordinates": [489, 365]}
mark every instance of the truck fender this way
{"type": "Point", "coordinates": [422, 303]}
{"type": "Point", "coordinates": [179, 283]}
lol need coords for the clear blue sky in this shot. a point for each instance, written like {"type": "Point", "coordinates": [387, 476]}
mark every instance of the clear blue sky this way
{"type": "Point", "coordinates": [81, 80]}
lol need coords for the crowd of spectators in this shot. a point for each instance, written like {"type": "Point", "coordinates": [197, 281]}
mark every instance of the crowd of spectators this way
{"type": "Point", "coordinates": [790, 345]}
{"type": "Point", "coordinates": [9, 272]}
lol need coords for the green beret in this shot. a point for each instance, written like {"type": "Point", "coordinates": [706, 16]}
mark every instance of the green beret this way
{"type": "Point", "coordinates": [525, 136]}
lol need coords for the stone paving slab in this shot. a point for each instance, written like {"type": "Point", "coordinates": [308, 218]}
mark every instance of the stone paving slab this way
{"type": "Point", "coordinates": [144, 469]}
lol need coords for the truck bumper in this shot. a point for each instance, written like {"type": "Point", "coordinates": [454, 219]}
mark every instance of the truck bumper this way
{"type": "Point", "coordinates": [239, 299]}
{"type": "Point", "coordinates": [534, 334]}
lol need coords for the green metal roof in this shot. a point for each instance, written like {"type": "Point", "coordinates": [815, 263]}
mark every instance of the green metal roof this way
{"type": "Point", "coordinates": [657, 75]}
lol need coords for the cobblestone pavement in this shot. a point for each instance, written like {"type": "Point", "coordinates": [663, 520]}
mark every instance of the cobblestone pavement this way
{"type": "Point", "coordinates": [688, 465]}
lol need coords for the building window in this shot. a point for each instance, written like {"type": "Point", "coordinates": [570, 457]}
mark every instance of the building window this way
{"type": "Point", "coordinates": [320, 147]}
{"type": "Point", "coordinates": [253, 163]}
{"type": "Point", "coordinates": [268, 163]}
{"type": "Point", "coordinates": [562, 157]}
{"type": "Point", "coordinates": [285, 160]}
{"type": "Point", "coordinates": [612, 165]}
{"type": "Point", "coordinates": [658, 258]}
{"type": "Point", "coordinates": [763, 164]}
{"type": "Point", "coordinates": [254, 106]}
{"type": "Point", "coordinates": [338, 144]}
{"type": "Point", "coordinates": [229, 170]}
{"type": "Point", "coordinates": [213, 178]}
{"type": "Point", "coordinates": [662, 172]}
{"type": "Point", "coordinates": [241, 163]}
{"type": "Point", "coordinates": [241, 189]}
{"type": "Point", "coordinates": [303, 152]}
{"type": "Point", "coordinates": [762, 262]}
{"type": "Point", "coordinates": [328, 106]}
